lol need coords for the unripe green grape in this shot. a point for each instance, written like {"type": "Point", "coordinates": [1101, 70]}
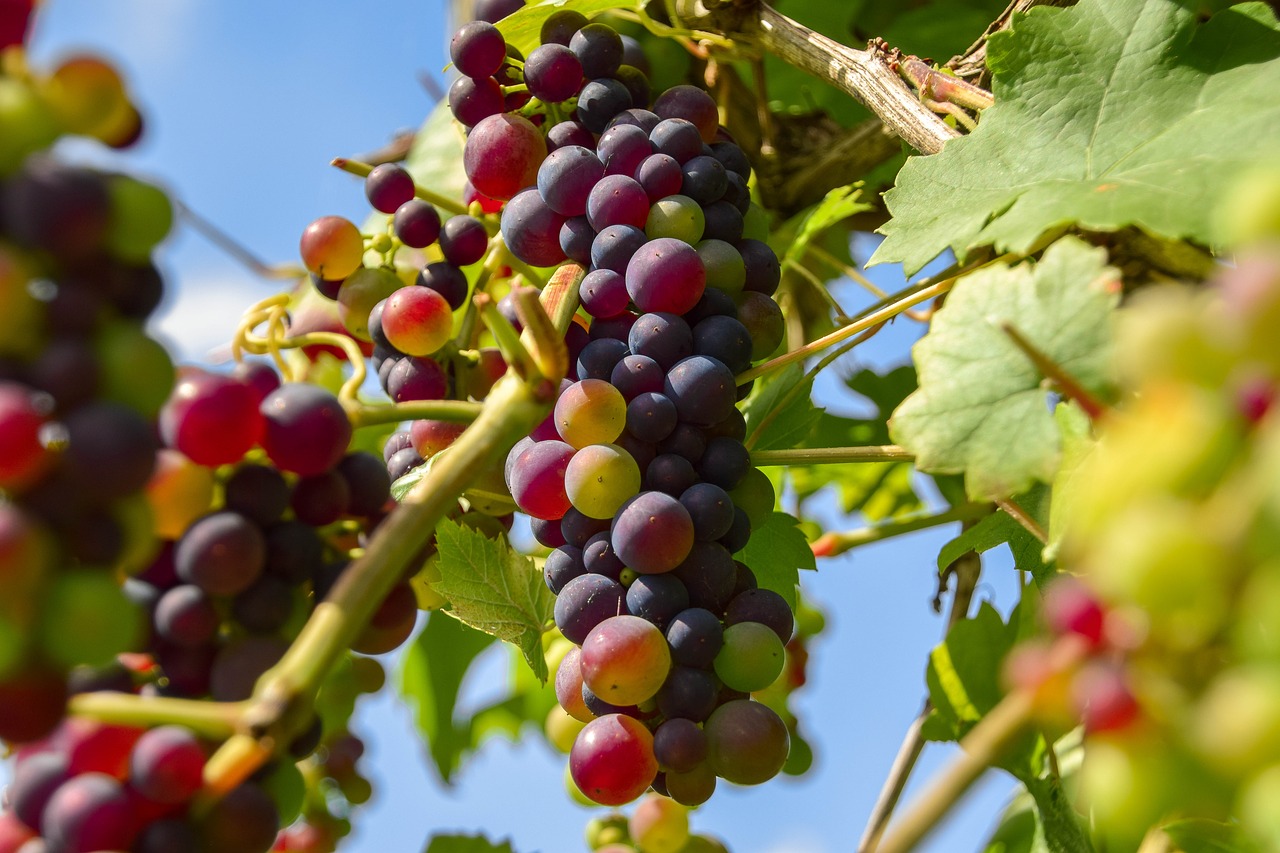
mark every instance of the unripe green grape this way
{"type": "Point", "coordinates": [28, 121]}
{"type": "Point", "coordinates": [692, 788]}
{"type": "Point", "coordinates": [141, 217]}
{"type": "Point", "coordinates": [287, 788]}
{"type": "Point", "coordinates": [1236, 725]}
{"type": "Point", "coordinates": [703, 844]}
{"type": "Point", "coordinates": [1256, 807]}
{"type": "Point", "coordinates": [755, 224]}
{"type": "Point", "coordinates": [607, 829]}
{"type": "Point", "coordinates": [763, 319]}
{"type": "Point", "coordinates": [751, 658]}
{"type": "Point", "coordinates": [137, 523]}
{"type": "Point", "coordinates": [86, 618]}
{"type": "Point", "coordinates": [600, 478]}
{"type": "Point", "coordinates": [561, 729]}
{"type": "Point", "coordinates": [362, 290]}
{"type": "Point", "coordinates": [136, 369]}
{"type": "Point", "coordinates": [21, 314]}
{"type": "Point", "coordinates": [659, 825]}
{"type": "Point", "coordinates": [676, 216]}
{"type": "Point", "coordinates": [725, 268]}
{"type": "Point", "coordinates": [590, 412]}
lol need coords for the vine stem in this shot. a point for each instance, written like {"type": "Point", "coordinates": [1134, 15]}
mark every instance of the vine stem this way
{"type": "Point", "coordinates": [832, 544]}
{"type": "Point", "coordinates": [455, 411]}
{"type": "Point", "coordinates": [831, 455]}
{"type": "Point", "coordinates": [362, 170]}
{"type": "Point", "coordinates": [985, 744]}
{"type": "Point", "coordinates": [863, 322]}
{"type": "Point", "coordinates": [213, 720]}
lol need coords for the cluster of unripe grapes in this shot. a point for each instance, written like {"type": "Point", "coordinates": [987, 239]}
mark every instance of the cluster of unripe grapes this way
{"type": "Point", "coordinates": [1166, 646]}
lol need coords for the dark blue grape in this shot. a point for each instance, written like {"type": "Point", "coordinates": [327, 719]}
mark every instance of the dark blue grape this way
{"type": "Point", "coordinates": [679, 745]}
{"type": "Point", "coordinates": [641, 451]}
{"type": "Point", "coordinates": [599, 557]}
{"type": "Point", "coordinates": [531, 229]}
{"type": "Point", "coordinates": [264, 607]}
{"type": "Point", "coordinates": [725, 340]}
{"type": "Point", "coordinates": [709, 574]}
{"type": "Point", "coordinates": [567, 133]}
{"type": "Point", "coordinates": [560, 27]}
{"type": "Point", "coordinates": [764, 606]}
{"type": "Point", "coordinates": [577, 528]}
{"type": "Point", "coordinates": [711, 510]}
{"type": "Point", "coordinates": [763, 270]}
{"type": "Point", "coordinates": [599, 358]}
{"type": "Point", "coordinates": [477, 49]}
{"type": "Point", "coordinates": [660, 175]}
{"type": "Point", "coordinates": [703, 389]}
{"type": "Point", "coordinates": [688, 693]}
{"type": "Point", "coordinates": [547, 532]}
{"type": "Point", "coordinates": [368, 485]}
{"type": "Point", "coordinates": [723, 222]}
{"type": "Point", "coordinates": [417, 224]}
{"type": "Point", "coordinates": [622, 149]}
{"type": "Point", "coordinates": [604, 293]}
{"type": "Point", "coordinates": [657, 598]}
{"type": "Point", "coordinates": [599, 49]}
{"type": "Point", "coordinates": [724, 463]}
{"type": "Point", "coordinates": [637, 374]}
{"type": "Point", "coordinates": [563, 565]}
{"type": "Point", "coordinates": [614, 246]}
{"type": "Point", "coordinates": [637, 83]}
{"type": "Point", "coordinates": [714, 303]}
{"type": "Point", "coordinates": [294, 549]}
{"type": "Point", "coordinates": [576, 237]}
{"type": "Point", "coordinates": [737, 194]}
{"type": "Point", "coordinates": [585, 602]}
{"type": "Point", "coordinates": [566, 177]}
{"type": "Point", "coordinates": [257, 492]}
{"type": "Point", "coordinates": [663, 337]}
{"type": "Point", "coordinates": [685, 440]}
{"type": "Point", "coordinates": [636, 117]}
{"type": "Point", "coordinates": [733, 158]}
{"type": "Point", "coordinates": [739, 534]}
{"type": "Point", "coordinates": [670, 473]}
{"type": "Point", "coordinates": [695, 636]}
{"type": "Point", "coordinates": [651, 416]}
{"type": "Point", "coordinates": [613, 327]}
{"type": "Point", "coordinates": [473, 101]}
{"type": "Point", "coordinates": [601, 100]}
{"type": "Point", "coordinates": [553, 73]}
{"type": "Point", "coordinates": [704, 179]}
{"type": "Point", "coordinates": [677, 138]}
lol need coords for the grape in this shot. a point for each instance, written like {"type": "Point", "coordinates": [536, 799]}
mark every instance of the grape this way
{"type": "Point", "coordinates": [243, 821]}
{"type": "Point", "coordinates": [657, 598]}
{"type": "Point", "coordinates": [502, 156]}
{"type": "Point", "coordinates": [332, 248]}
{"type": "Point", "coordinates": [709, 574]}
{"type": "Point", "coordinates": [576, 237]}
{"type": "Point", "coordinates": [590, 412]}
{"type": "Point", "coordinates": [763, 319]}
{"type": "Point", "coordinates": [636, 375]}
{"type": "Point", "coordinates": [625, 659]}
{"type": "Point", "coordinates": [599, 48]}
{"type": "Point", "coordinates": [724, 265]}
{"type": "Point", "coordinates": [477, 49]}
{"type": "Point", "coordinates": [566, 177]}
{"type": "Point", "coordinates": [748, 742]}
{"type": "Point", "coordinates": [471, 101]}
{"type": "Point", "coordinates": [167, 836]}
{"type": "Point", "coordinates": [34, 781]}
{"type": "Point", "coordinates": [763, 272]}
{"type": "Point", "coordinates": [652, 533]}
{"type": "Point", "coordinates": [666, 275]}
{"type": "Point", "coordinates": [738, 196]}
{"type": "Point", "coordinates": [222, 553]}
{"type": "Point", "coordinates": [560, 26]}
{"type": "Point", "coordinates": [599, 557]}
{"type": "Point", "coordinates": [669, 473]}
{"type": "Point", "coordinates": [239, 664]}
{"type": "Point", "coordinates": [186, 670]}
{"type": "Point", "coordinates": [111, 450]}
{"type": "Point", "coordinates": [367, 482]}
{"type": "Point", "coordinates": [531, 229]}
{"type": "Point", "coordinates": [703, 390]}
{"type": "Point", "coordinates": [445, 279]}
{"type": "Point", "coordinates": [704, 179]}
{"type": "Point", "coordinates": [1071, 608]}
{"type": "Point", "coordinates": [739, 534]}
{"type": "Point", "coordinates": [414, 378]}
{"type": "Point", "coordinates": [416, 223]}
{"type": "Point", "coordinates": [167, 765]}
{"type": "Point", "coordinates": [568, 686]}
{"type": "Point", "coordinates": [752, 657]}
{"type": "Point", "coordinates": [725, 340]}
{"type": "Point", "coordinates": [87, 813]}
{"type": "Point", "coordinates": [264, 607]}
{"type": "Point", "coordinates": [463, 240]}
{"type": "Point", "coordinates": [660, 175]}
{"type": "Point", "coordinates": [23, 457]}
{"type": "Point", "coordinates": [569, 133]}
{"type": "Point", "coordinates": [495, 10]}
{"type": "Point", "coordinates": [617, 200]}
{"type": "Point", "coordinates": [688, 693]}
{"type": "Point", "coordinates": [600, 478]}
{"type": "Point", "coordinates": [677, 138]}
{"type": "Point", "coordinates": [553, 73]}
{"type": "Point", "coordinates": [604, 292]}
{"type": "Point", "coordinates": [663, 337]}
{"type": "Point", "coordinates": [578, 528]}
{"type": "Point", "coordinates": [537, 479]}
{"type": "Point", "coordinates": [761, 606]}
{"type": "Point", "coordinates": [612, 760]}
{"type": "Point", "coordinates": [622, 149]}
{"type": "Point", "coordinates": [429, 437]}
{"type": "Point", "coordinates": [614, 247]}
{"type": "Point", "coordinates": [651, 417]}
{"type": "Point", "coordinates": [692, 104]}
{"type": "Point", "coordinates": [563, 565]}
{"type": "Point", "coordinates": [585, 602]}
{"type": "Point", "coordinates": [34, 701]}
{"type": "Point", "coordinates": [711, 510]}
{"type": "Point", "coordinates": [724, 463]}
{"type": "Point", "coordinates": [636, 82]}
{"type": "Point", "coordinates": [417, 320]}
{"type": "Point", "coordinates": [391, 624]}
{"type": "Point", "coordinates": [676, 216]}
{"type": "Point", "coordinates": [746, 581]}
{"type": "Point", "coordinates": [58, 208]}
{"type": "Point", "coordinates": [68, 371]}
{"type": "Point", "coordinates": [685, 440]}
{"type": "Point", "coordinates": [358, 296]}
{"type": "Point", "coordinates": [306, 428]}
{"type": "Point", "coordinates": [601, 100]}
{"type": "Point", "coordinates": [185, 616]}
{"type": "Point", "coordinates": [320, 499]}
{"type": "Point", "coordinates": [257, 492]}
{"type": "Point", "coordinates": [599, 357]}
{"type": "Point", "coordinates": [679, 745]}
{"type": "Point", "coordinates": [754, 495]}
{"type": "Point", "coordinates": [387, 187]}
{"type": "Point", "coordinates": [659, 825]}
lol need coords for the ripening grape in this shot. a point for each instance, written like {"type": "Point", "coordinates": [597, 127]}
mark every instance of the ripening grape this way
{"type": "Point", "coordinates": [590, 412]}
{"type": "Point", "coordinates": [417, 320]}
{"type": "Point", "coordinates": [23, 457]}
{"type": "Point", "coordinates": [600, 478]}
{"type": "Point", "coordinates": [306, 428]}
{"type": "Point", "coordinates": [652, 533]}
{"type": "Point", "coordinates": [751, 658]}
{"type": "Point", "coordinates": [211, 418]}
{"type": "Point", "coordinates": [612, 760]}
{"type": "Point", "coordinates": [359, 293]}
{"type": "Point", "coordinates": [692, 104]}
{"type": "Point", "coordinates": [502, 155]}
{"type": "Point", "coordinates": [537, 480]}
{"type": "Point", "coordinates": [665, 275]}
{"type": "Point", "coordinates": [167, 765]}
{"type": "Point", "coordinates": [332, 248]}
{"type": "Point", "coordinates": [625, 659]}
{"type": "Point", "coordinates": [659, 825]}
{"type": "Point", "coordinates": [568, 686]}
{"type": "Point", "coordinates": [748, 742]}
{"type": "Point", "coordinates": [692, 788]}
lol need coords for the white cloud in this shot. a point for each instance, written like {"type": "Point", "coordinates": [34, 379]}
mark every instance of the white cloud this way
{"type": "Point", "coordinates": [201, 315]}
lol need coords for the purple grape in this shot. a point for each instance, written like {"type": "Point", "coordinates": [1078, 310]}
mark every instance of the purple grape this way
{"type": "Point", "coordinates": [660, 175]}
{"type": "Point", "coordinates": [764, 606]}
{"type": "Point", "coordinates": [704, 180]}
{"type": "Point", "coordinates": [617, 200]}
{"type": "Point", "coordinates": [240, 663]}
{"type": "Point", "coordinates": [688, 693]}
{"type": "Point", "coordinates": [417, 224]}
{"type": "Point", "coordinates": [723, 222]}
{"type": "Point", "coordinates": [168, 836]}
{"type": "Point", "coordinates": [553, 73]}
{"type": "Point", "coordinates": [685, 440]}
{"type": "Point", "coordinates": [695, 636]}
{"type": "Point", "coordinates": [599, 101]}
{"type": "Point", "coordinates": [35, 780]}
{"type": "Point", "coordinates": [294, 549]}
{"type": "Point", "coordinates": [563, 565]}
{"type": "Point", "coordinates": [578, 528]}
{"type": "Point", "coordinates": [724, 463]}
{"type": "Point", "coordinates": [599, 358]}
{"type": "Point", "coordinates": [243, 821]}
{"type": "Point", "coordinates": [651, 417]}
{"type": "Point", "coordinates": [636, 375]}
{"type": "Point", "coordinates": [739, 534]}
{"type": "Point", "coordinates": [652, 533]}
{"type": "Point", "coordinates": [692, 104]}
{"type": "Point", "coordinates": [709, 574]}
{"type": "Point", "coordinates": [320, 499]}
{"type": "Point", "coordinates": [703, 389]}
{"type": "Point", "coordinates": [478, 49]}
{"type": "Point", "coordinates": [604, 293]}
{"type": "Point", "coordinates": [307, 430]}
{"type": "Point", "coordinates": [569, 133]}
{"type": "Point", "coordinates": [737, 193]}
{"type": "Point", "coordinates": [599, 48]}
{"type": "Point", "coordinates": [665, 338]}
{"type": "Point", "coordinates": [657, 598]}
{"type": "Point", "coordinates": [166, 765]}
{"type": "Point", "coordinates": [724, 339]}
{"type": "Point", "coordinates": [560, 26]}
{"type": "Point", "coordinates": [531, 229]}
{"type": "Point", "coordinates": [576, 237]}
{"type": "Point", "coordinates": [613, 327]}
{"type": "Point", "coordinates": [665, 275]}
{"type": "Point", "coordinates": [641, 451]}
{"type": "Point", "coordinates": [599, 557]}
{"type": "Point", "coordinates": [614, 247]}
{"type": "Point", "coordinates": [472, 101]}
{"type": "Point", "coordinates": [222, 553]}
{"type": "Point", "coordinates": [264, 607]}
{"type": "Point", "coordinates": [636, 117]}
{"type": "Point", "coordinates": [445, 279]}
{"type": "Point", "coordinates": [585, 602]}
{"type": "Point", "coordinates": [110, 451]}
{"type": "Point", "coordinates": [679, 745]}
{"type": "Point", "coordinates": [711, 510]}
{"type": "Point", "coordinates": [763, 270]}
{"type": "Point", "coordinates": [463, 240]}
{"type": "Point", "coordinates": [86, 813]}
{"type": "Point", "coordinates": [669, 473]}
{"type": "Point", "coordinates": [637, 83]}
{"type": "Point", "coordinates": [566, 178]}
{"type": "Point", "coordinates": [622, 149]}
{"type": "Point", "coordinates": [185, 616]}
{"type": "Point", "coordinates": [258, 493]}
{"type": "Point", "coordinates": [677, 138]}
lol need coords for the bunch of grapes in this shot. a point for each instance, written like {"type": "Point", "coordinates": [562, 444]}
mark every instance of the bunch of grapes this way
{"type": "Point", "coordinates": [1166, 646]}
{"type": "Point", "coordinates": [639, 479]}
{"type": "Point", "coordinates": [81, 384]}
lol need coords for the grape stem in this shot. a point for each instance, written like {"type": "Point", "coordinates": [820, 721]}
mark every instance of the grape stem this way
{"type": "Point", "coordinates": [1068, 384]}
{"type": "Point", "coordinates": [831, 455]}
{"type": "Point", "coordinates": [362, 170]}
{"type": "Point", "coordinates": [213, 720]}
{"type": "Point", "coordinates": [984, 745]}
{"type": "Point", "coordinates": [1024, 518]}
{"type": "Point", "coordinates": [832, 544]}
{"type": "Point", "coordinates": [455, 411]}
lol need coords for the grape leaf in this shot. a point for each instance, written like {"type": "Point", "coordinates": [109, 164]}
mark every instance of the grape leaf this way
{"type": "Point", "coordinates": [430, 677]}
{"type": "Point", "coordinates": [1109, 113]}
{"type": "Point", "coordinates": [770, 424]}
{"type": "Point", "coordinates": [466, 844]}
{"type": "Point", "coordinates": [982, 408]}
{"type": "Point", "coordinates": [1198, 835]}
{"type": "Point", "coordinates": [494, 589]}
{"type": "Point", "coordinates": [792, 240]}
{"type": "Point", "coordinates": [435, 160]}
{"type": "Point", "coordinates": [997, 529]}
{"type": "Point", "coordinates": [776, 553]}
{"type": "Point", "coordinates": [522, 29]}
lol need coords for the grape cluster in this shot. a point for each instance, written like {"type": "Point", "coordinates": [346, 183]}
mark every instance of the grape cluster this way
{"type": "Point", "coordinates": [639, 479]}
{"type": "Point", "coordinates": [80, 386]}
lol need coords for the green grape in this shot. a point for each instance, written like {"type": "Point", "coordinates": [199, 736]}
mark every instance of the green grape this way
{"type": "Point", "coordinates": [600, 478]}
{"type": "Point", "coordinates": [755, 224]}
{"type": "Point", "coordinates": [141, 217]}
{"type": "Point", "coordinates": [136, 370]}
{"type": "Point", "coordinates": [676, 216]}
{"type": "Point", "coordinates": [590, 412]}
{"type": "Point", "coordinates": [1236, 725]}
{"type": "Point", "coordinates": [608, 829]}
{"type": "Point", "coordinates": [362, 290]}
{"type": "Point", "coordinates": [561, 729]}
{"type": "Point", "coordinates": [87, 619]}
{"type": "Point", "coordinates": [27, 121]}
{"type": "Point", "coordinates": [659, 825]}
{"type": "Point", "coordinates": [751, 658]}
{"type": "Point", "coordinates": [725, 268]}
{"type": "Point", "coordinates": [287, 788]}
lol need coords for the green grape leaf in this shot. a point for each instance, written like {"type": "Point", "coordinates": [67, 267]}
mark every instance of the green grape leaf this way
{"type": "Point", "coordinates": [435, 160]}
{"type": "Point", "coordinates": [773, 423]}
{"type": "Point", "coordinates": [793, 239]}
{"type": "Point", "coordinates": [522, 29]}
{"type": "Point", "coordinates": [405, 484]}
{"type": "Point", "coordinates": [996, 529]}
{"type": "Point", "coordinates": [1109, 113]}
{"type": "Point", "coordinates": [431, 676]}
{"type": "Point", "coordinates": [494, 589]}
{"type": "Point", "coordinates": [1196, 835]}
{"type": "Point", "coordinates": [982, 408]}
{"type": "Point", "coordinates": [466, 844]}
{"type": "Point", "coordinates": [776, 553]}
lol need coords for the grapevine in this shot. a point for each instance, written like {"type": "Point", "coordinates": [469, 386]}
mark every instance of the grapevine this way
{"type": "Point", "coordinates": [563, 391]}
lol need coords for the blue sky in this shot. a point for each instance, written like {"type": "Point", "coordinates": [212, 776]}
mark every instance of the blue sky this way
{"type": "Point", "coordinates": [246, 103]}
